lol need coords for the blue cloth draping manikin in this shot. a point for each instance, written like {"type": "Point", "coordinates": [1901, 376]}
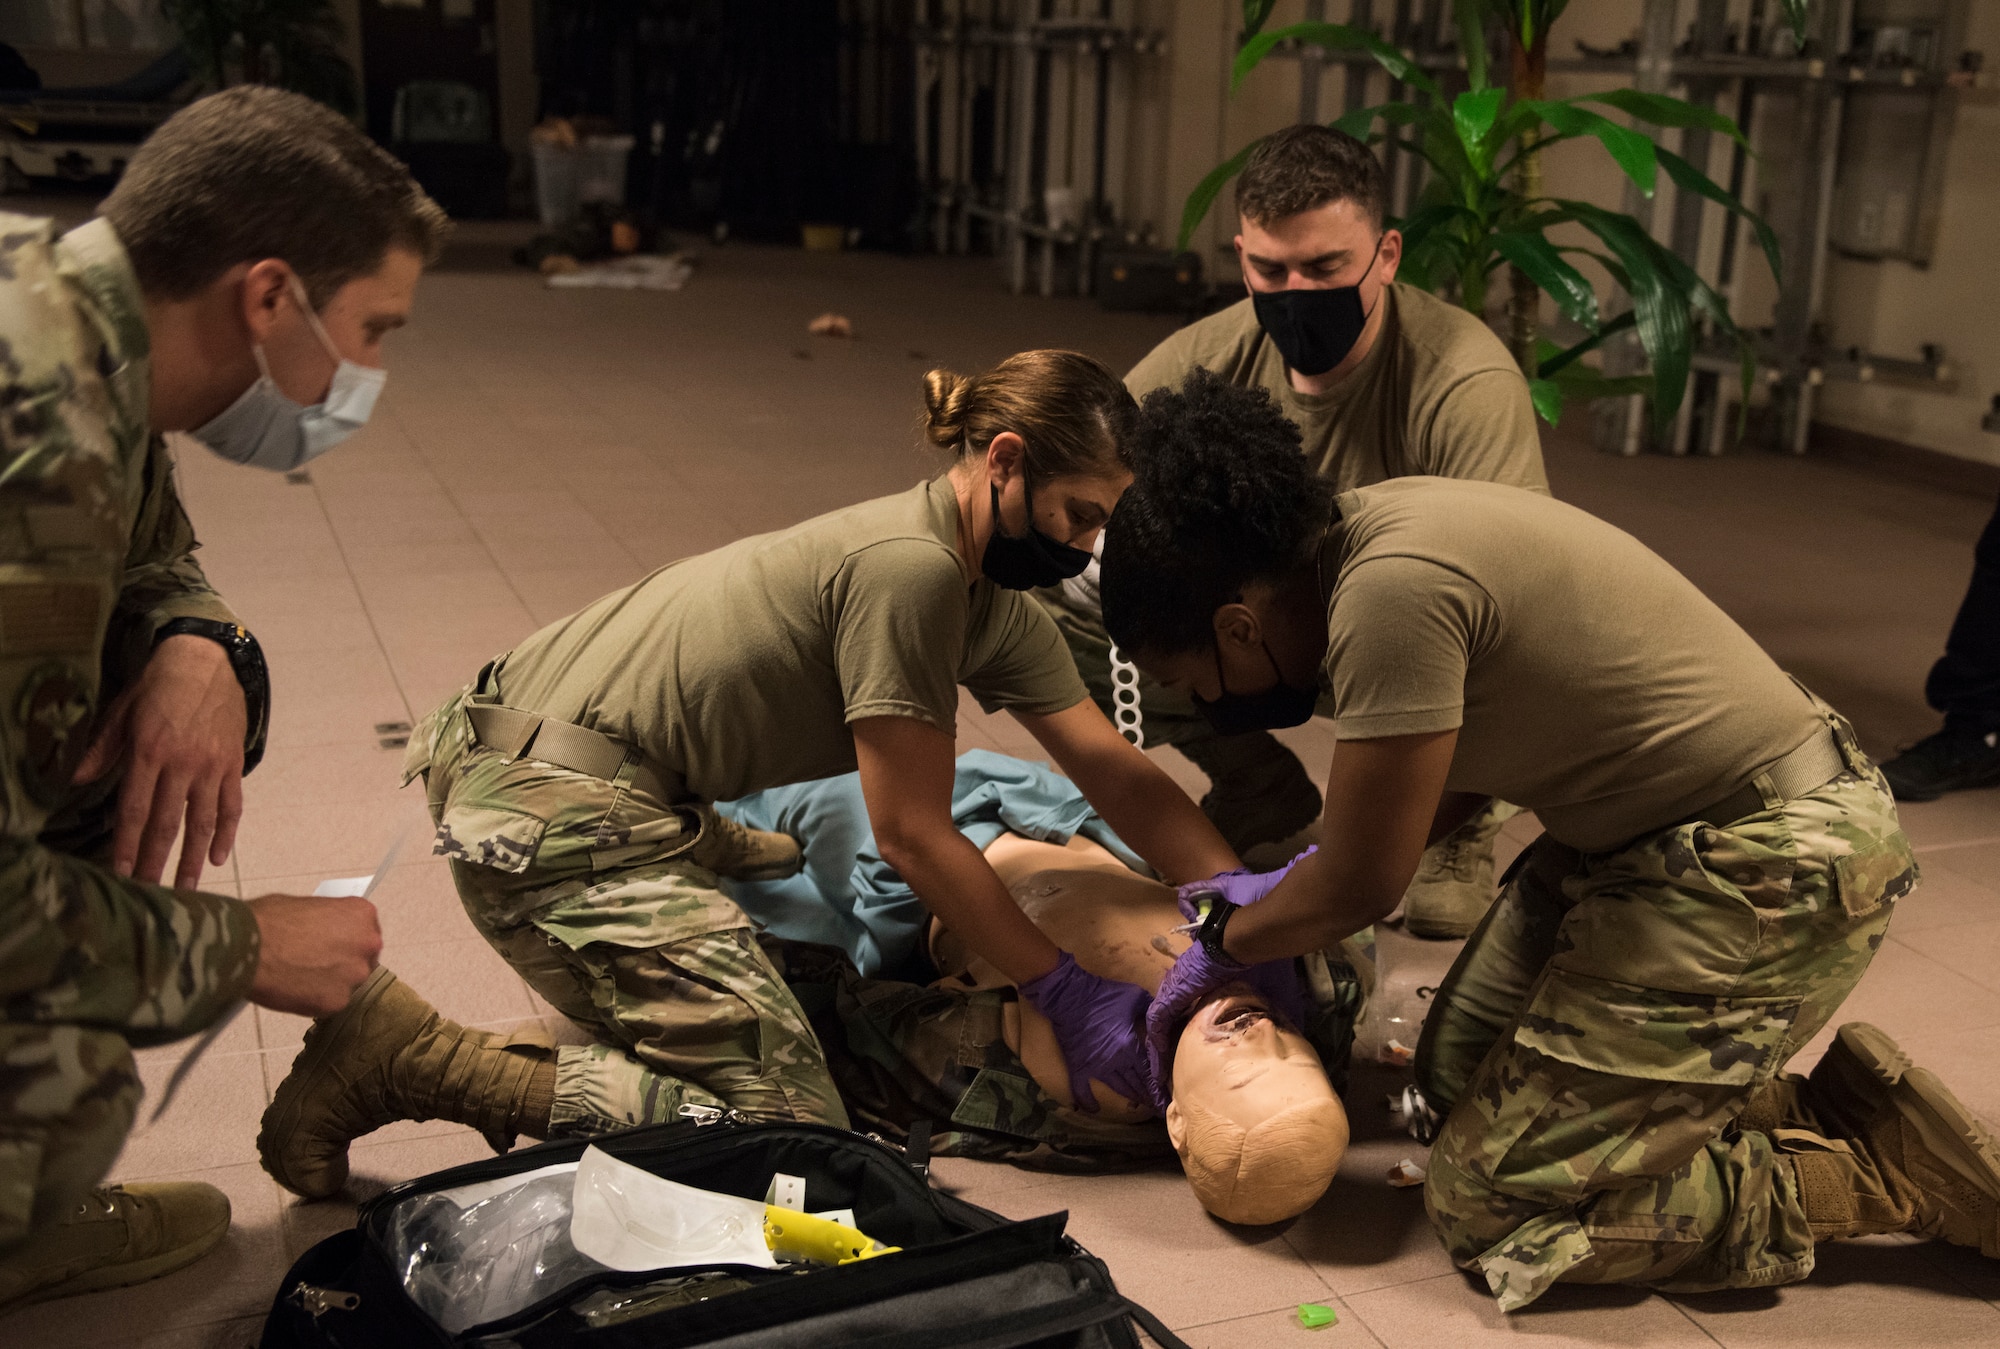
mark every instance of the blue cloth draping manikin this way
{"type": "Point", "coordinates": [848, 897]}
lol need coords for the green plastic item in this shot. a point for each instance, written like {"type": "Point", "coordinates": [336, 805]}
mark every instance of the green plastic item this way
{"type": "Point", "coordinates": [1316, 1315]}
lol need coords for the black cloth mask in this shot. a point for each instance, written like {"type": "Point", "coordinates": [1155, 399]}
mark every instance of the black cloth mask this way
{"type": "Point", "coordinates": [1239, 713]}
{"type": "Point", "coordinates": [1314, 329]}
{"type": "Point", "coordinates": [1034, 559]}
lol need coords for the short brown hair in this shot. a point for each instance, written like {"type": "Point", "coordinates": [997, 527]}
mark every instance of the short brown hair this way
{"type": "Point", "coordinates": [1303, 168]}
{"type": "Point", "coordinates": [1072, 413]}
{"type": "Point", "coordinates": [253, 173]}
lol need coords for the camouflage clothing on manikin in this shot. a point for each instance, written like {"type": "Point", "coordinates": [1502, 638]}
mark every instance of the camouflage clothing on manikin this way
{"type": "Point", "coordinates": [95, 554]}
{"type": "Point", "coordinates": [1613, 1016]}
{"type": "Point", "coordinates": [584, 886]}
{"type": "Point", "coordinates": [902, 1053]}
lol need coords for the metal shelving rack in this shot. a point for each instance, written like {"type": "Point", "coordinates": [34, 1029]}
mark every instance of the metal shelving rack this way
{"type": "Point", "coordinates": [1018, 97]}
{"type": "Point", "coordinates": [1698, 60]}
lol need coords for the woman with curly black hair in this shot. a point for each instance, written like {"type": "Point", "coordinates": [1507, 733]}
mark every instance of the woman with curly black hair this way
{"type": "Point", "coordinates": [1719, 865]}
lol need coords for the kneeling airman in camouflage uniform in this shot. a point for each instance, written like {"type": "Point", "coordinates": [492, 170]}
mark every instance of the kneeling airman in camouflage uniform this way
{"type": "Point", "coordinates": [1720, 863]}
{"type": "Point", "coordinates": [573, 784]}
{"type": "Point", "coordinates": [247, 266]}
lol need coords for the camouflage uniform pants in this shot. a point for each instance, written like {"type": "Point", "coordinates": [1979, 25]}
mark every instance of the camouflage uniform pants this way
{"type": "Point", "coordinates": [581, 884]}
{"type": "Point", "coordinates": [67, 1098]}
{"type": "Point", "coordinates": [1613, 1015]}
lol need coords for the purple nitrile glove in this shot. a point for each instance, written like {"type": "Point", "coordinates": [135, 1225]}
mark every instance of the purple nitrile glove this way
{"type": "Point", "coordinates": [1195, 976]}
{"type": "Point", "coordinates": [1101, 1026]}
{"type": "Point", "coordinates": [1238, 887]}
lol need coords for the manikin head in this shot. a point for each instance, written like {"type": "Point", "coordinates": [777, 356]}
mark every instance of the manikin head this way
{"type": "Point", "coordinates": [1254, 1119]}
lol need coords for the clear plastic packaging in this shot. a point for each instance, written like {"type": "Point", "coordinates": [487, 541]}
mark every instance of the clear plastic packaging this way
{"type": "Point", "coordinates": [480, 1252]}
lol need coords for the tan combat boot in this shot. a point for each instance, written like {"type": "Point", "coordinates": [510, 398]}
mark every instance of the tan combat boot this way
{"type": "Point", "coordinates": [1453, 887]}
{"type": "Point", "coordinates": [740, 852]}
{"type": "Point", "coordinates": [389, 1056]}
{"type": "Point", "coordinates": [118, 1235]}
{"type": "Point", "coordinates": [1911, 1157]}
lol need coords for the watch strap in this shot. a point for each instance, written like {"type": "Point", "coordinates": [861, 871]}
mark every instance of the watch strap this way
{"type": "Point", "coordinates": [1211, 932]}
{"type": "Point", "coordinates": [246, 660]}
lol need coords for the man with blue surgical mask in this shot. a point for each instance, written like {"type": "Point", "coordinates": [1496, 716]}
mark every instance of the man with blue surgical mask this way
{"type": "Point", "coordinates": [237, 287]}
{"type": "Point", "coordinates": [1383, 381]}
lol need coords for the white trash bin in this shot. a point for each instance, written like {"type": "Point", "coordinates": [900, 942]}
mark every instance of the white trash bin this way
{"type": "Point", "coordinates": [566, 177]}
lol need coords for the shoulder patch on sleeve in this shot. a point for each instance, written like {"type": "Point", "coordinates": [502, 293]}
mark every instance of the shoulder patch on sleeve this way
{"type": "Point", "coordinates": [53, 711]}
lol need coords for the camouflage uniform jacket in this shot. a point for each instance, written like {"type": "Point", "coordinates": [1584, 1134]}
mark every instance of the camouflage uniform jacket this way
{"type": "Point", "coordinates": [95, 555]}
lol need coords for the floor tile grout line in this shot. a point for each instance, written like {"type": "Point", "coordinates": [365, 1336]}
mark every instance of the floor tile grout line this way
{"type": "Point", "coordinates": [1923, 848]}
{"type": "Point", "coordinates": [457, 505]}
{"type": "Point", "coordinates": [1345, 1308]}
{"type": "Point", "coordinates": [367, 612]}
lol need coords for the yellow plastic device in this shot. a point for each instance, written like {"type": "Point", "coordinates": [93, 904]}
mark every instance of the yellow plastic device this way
{"type": "Point", "coordinates": [818, 1239]}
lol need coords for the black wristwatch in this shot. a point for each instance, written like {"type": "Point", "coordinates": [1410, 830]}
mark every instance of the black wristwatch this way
{"type": "Point", "coordinates": [1209, 934]}
{"type": "Point", "coordinates": [246, 658]}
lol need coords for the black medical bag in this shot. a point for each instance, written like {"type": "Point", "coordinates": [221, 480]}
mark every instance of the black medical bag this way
{"type": "Point", "coordinates": [964, 1276]}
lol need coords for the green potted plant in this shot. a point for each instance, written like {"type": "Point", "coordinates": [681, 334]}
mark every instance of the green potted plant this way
{"type": "Point", "coordinates": [293, 44]}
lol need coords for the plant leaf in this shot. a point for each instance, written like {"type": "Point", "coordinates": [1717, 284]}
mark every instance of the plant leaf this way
{"type": "Point", "coordinates": [1796, 16]}
{"type": "Point", "coordinates": [1544, 266]}
{"type": "Point", "coordinates": [1691, 179]}
{"type": "Point", "coordinates": [1334, 37]}
{"type": "Point", "coordinates": [1426, 224]}
{"type": "Point", "coordinates": [1255, 14]}
{"type": "Point", "coordinates": [1553, 360]}
{"type": "Point", "coordinates": [1206, 191]}
{"type": "Point", "coordinates": [1356, 123]}
{"type": "Point", "coordinates": [1634, 152]}
{"type": "Point", "coordinates": [1472, 114]}
{"type": "Point", "coordinates": [1547, 396]}
{"type": "Point", "coordinates": [1660, 305]}
{"type": "Point", "coordinates": [1471, 18]}
{"type": "Point", "coordinates": [1660, 110]}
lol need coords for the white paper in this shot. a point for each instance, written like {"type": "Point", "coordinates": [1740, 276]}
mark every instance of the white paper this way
{"type": "Point", "coordinates": [630, 1219]}
{"type": "Point", "coordinates": [348, 885]}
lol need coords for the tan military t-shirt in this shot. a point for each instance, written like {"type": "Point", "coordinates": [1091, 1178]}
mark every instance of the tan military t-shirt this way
{"type": "Point", "coordinates": [742, 668]}
{"type": "Point", "coordinates": [1588, 680]}
{"type": "Point", "coordinates": [1436, 394]}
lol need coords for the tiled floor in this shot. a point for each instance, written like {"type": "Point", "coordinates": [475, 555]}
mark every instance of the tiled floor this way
{"type": "Point", "coordinates": [536, 448]}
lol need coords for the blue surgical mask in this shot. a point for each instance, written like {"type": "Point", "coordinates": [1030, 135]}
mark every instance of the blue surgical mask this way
{"type": "Point", "coordinates": [266, 429]}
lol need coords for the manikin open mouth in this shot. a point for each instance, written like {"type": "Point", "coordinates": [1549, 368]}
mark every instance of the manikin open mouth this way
{"type": "Point", "coordinates": [1231, 1015]}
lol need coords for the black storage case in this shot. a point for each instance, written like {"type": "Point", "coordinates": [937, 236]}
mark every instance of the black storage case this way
{"type": "Point", "coordinates": [965, 1276]}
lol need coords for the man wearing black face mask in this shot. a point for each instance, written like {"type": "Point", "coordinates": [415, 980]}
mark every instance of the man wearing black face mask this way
{"type": "Point", "coordinates": [1383, 381]}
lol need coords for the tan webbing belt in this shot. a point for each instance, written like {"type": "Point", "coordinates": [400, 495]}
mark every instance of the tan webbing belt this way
{"type": "Point", "coordinates": [1810, 766]}
{"type": "Point", "coordinates": [518, 734]}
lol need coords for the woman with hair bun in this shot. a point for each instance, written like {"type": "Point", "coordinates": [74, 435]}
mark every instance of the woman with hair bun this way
{"type": "Point", "coordinates": [1719, 863]}
{"type": "Point", "coordinates": [573, 786]}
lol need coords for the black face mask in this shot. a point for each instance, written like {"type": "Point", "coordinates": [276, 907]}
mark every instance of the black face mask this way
{"type": "Point", "coordinates": [1236, 713]}
{"type": "Point", "coordinates": [1313, 329]}
{"type": "Point", "coordinates": [1033, 560]}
